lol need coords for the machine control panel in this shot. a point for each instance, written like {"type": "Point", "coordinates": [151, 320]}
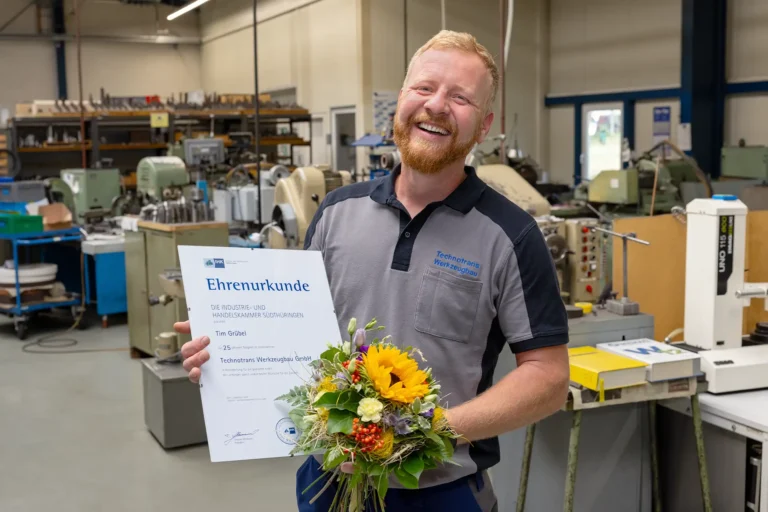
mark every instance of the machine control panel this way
{"type": "Point", "coordinates": [585, 260]}
{"type": "Point", "coordinates": [554, 231]}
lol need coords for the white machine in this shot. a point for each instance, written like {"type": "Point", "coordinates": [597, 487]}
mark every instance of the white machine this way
{"type": "Point", "coordinates": [716, 295]}
{"type": "Point", "coordinates": [241, 203]}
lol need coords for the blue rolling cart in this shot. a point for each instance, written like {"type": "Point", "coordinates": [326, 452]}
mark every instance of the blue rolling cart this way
{"type": "Point", "coordinates": [21, 313]}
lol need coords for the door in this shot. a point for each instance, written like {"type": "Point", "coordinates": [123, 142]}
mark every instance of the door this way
{"type": "Point", "coordinates": [320, 146]}
{"type": "Point", "coordinates": [343, 154]}
{"type": "Point", "coordinates": [602, 132]}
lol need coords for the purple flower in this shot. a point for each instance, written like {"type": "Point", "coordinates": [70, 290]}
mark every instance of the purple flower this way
{"type": "Point", "coordinates": [364, 349]}
{"type": "Point", "coordinates": [402, 426]}
{"type": "Point", "coordinates": [359, 337]}
{"type": "Point", "coordinates": [428, 413]}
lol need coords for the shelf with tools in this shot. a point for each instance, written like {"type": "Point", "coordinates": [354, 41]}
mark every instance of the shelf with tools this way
{"type": "Point", "coordinates": [48, 141]}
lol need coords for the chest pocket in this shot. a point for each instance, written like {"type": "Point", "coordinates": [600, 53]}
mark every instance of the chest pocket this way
{"type": "Point", "coordinates": [447, 305]}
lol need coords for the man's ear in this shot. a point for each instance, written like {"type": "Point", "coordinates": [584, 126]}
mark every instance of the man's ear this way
{"type": "Point", "coordinates": [486, 127]}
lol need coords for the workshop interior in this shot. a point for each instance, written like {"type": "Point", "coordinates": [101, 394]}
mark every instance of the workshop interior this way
{"type": "Point", "coordinates": [634, 133]}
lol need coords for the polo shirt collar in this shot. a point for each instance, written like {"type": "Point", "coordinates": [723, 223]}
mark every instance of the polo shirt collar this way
{"type": "Point", "coordinates": [463, 199]}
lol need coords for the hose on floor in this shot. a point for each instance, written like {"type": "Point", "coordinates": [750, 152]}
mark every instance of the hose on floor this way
{"type": "Point", "coordinates": [54, 343]}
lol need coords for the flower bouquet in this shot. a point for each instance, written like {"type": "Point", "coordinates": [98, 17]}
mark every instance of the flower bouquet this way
{"type": "Point", "coordinates": [372, 406]}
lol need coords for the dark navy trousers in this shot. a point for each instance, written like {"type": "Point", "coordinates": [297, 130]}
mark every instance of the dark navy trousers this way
{"type": "Point", "coordinates": [468, 494]}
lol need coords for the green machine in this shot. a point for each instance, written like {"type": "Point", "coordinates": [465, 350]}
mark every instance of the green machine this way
{"type": "Point", "coordinates": [86, 192]}
{"type": "Point", "coordinates": [632, 190]}
{"type": "Point", "coordinates": [161, 177]}
{"type": "Point", "coordinates": [749, 162]}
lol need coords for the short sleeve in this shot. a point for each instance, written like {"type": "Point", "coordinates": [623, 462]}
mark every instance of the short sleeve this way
{"type": "Point", "coordinates": [313, 240]}
{"type": "Point", "coordinates": [530, 310]}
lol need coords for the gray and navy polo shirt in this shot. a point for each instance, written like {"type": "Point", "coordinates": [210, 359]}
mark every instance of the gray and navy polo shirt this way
{"type": "Point", "coordinates": [460, 280]}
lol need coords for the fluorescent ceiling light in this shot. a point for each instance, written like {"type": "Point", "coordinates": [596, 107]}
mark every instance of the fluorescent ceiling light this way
{"type": "Point", "coordinates": [190, 6]}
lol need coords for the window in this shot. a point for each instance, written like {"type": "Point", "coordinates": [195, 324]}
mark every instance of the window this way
{"type": "Point", "coordinates": [602, 134]}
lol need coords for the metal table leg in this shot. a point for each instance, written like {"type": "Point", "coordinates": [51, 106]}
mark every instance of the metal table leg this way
{"type": "Point", "coordinates": [654, 456]}
{"type": "Point", "coordinates": [573, 456]}
{"type": "Point", "coordinates": [526, 469]}
{"type": "Point", "coordinates": [699, 433]}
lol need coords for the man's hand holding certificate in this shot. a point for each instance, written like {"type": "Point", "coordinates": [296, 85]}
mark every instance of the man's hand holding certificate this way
{"type": "Point", "coordinates": [268, 314]}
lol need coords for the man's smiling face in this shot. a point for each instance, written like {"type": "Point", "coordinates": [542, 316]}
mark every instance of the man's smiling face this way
{"type": "Point", "coordinates": [442, 109]}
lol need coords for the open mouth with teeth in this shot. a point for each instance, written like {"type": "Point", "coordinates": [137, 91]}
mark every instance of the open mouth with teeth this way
{"type": "Point", "coordinates": [431, 128]}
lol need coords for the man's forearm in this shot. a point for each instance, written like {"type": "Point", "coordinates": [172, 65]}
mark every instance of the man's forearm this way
{"type": "Point", "coordinates": [526, 395]}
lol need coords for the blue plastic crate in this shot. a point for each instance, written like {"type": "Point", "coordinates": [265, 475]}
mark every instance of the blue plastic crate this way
{"type": "Point", "coordinates": [13, 207]}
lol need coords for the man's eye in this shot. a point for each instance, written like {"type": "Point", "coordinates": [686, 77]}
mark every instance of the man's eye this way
{"type": "Point", "coordinates": [423, 88]}
{"type": "Point", "coordinates": [462, 99]}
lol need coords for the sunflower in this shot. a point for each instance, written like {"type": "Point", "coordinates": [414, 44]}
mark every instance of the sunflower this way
{"type": "Point", "coordinates": [395, 375]}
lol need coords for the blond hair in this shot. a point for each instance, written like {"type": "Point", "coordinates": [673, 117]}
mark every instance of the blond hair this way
{"type": "Point", "coordinates": [462, 41]}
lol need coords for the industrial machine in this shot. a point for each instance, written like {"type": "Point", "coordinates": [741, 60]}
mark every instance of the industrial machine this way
{"type": "Point", "coordinates": [160, 178]}
{"type": "Point", "coordinates": [587, 260]}
{"type": "Point", "coordinates": [149, 252]}
{"type": "Point", "coordinates": [555, 236]}
{"type": "Point", "coordinates": [744, 162]}
{"type": "Point", "coordinates": [716, 294]}
{"type": "Point", "coordinates": [87, 192]}
{"type": "Point", "coordinates": [296, 201]}
{"type": "Point", "coordinates": [506, 181]}
{"type": "Point", "coordinates": [633, 189]}
{"type": "Point", "coordinates": [239, 204]}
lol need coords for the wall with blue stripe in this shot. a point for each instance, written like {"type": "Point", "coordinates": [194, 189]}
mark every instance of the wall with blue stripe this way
{"type": "Point", "coordinates": [631, 53]}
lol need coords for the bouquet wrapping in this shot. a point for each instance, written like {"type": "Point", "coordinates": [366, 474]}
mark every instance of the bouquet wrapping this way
{"type": "Point", "coordinates": [370, 405]}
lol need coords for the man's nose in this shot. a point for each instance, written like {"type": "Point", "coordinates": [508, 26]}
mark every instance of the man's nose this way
{"type": "Point", "coordinates": [437, 104]}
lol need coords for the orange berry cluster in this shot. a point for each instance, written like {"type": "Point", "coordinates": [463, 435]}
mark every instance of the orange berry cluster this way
{"type": "Point", "coordinates": [355, 375]}
{"type": "Point", "coordinates": [369, 436]}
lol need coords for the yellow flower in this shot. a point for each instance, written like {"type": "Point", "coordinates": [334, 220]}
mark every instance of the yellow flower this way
{"type": "Point", "coordinates": [395, 375]}
{"type": "Point", "coordinates": [327, 385]}
{"type": "Point", "coordinates": [322, 413]}
{"type": "Point", "coordinates": [369, 410]}
{"type": "Point", "coordinates": [387, 443]}
{"type": "Point", "coordinates": [438, 418]}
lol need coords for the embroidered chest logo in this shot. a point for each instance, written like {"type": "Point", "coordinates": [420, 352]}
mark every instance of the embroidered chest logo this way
{"type": "Point", "coordinates": [457, 264]}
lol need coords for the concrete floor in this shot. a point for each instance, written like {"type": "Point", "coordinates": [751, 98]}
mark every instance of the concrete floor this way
{"type": "Point", "coordinates": [72, 439]}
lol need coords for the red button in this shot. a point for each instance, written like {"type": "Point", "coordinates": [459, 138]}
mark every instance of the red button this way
{"type": "Point", "coordinates": [589, 288]}
{"type": "Point", "coordinates": [585, 258]}
{"type": "Point", "coordinates": [585, 240]}
{"type": "Point", "coordinates": [585, 229]}
{"type": "Point", "coordinates": [584, 249]}
{"type": "Point", "coordinates": [589, 274]}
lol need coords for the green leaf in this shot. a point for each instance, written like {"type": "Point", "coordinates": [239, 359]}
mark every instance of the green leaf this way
{"type": "Point", "coordinates": [448, 448]}
{"type": "Point", "coordinates": [429, 464]}
{"type": "Point", "coordinates": [432, 436]}
{"type": "Point", "coordinates": [417, 406]}
{"type": "Point", "coordinates": [414, 465]}
{"type": "Point", "coordinates": [297, 417]}
{"type": "Point", "coordinates": [424, 423]}
{"type": "Point", "coordinates": [406, 479]}
{"type": "Point", "coordinates": [375, 469]}
{"type": "Point", "coordinates": [329, 354]}
{"type": "Point", "coordinates": [382, 485]}
{"type": "Point", "coordinates": [346, 399]}
{"type": "Point", "coordinates": [340, 421]}
{"type": "Point", "coordinates": [332, 458]}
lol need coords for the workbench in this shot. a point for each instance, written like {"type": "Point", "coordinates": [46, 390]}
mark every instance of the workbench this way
{"type": "Point", "coordinates": [106, 255]}
{"type": "Point", "coordinates": [734, 418]}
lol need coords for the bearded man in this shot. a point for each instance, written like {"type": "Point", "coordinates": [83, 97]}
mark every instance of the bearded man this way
{"type": "Point", "coordinates": [449, 266]}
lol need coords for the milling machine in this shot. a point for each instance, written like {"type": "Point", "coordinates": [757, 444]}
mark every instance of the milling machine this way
{"type": "Point", "coordinates": [297, 198]}
{"type": "Point", "coordinates": [87, 193]}
{"type": "Point", "coordinates": [716, 295]}
{"type": "Point", "coordinates": [237, 204]}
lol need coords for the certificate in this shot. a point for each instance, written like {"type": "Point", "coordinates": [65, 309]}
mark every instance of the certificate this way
{"type": "Point", "coordinates": [268, 313]}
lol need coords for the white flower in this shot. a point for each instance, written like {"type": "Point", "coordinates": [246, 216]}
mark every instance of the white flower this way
{"type": "Point", "coordinates": [430, 398]}
{"type": "Point", "coordinates": [346, 347]}
{"type": "Point", "coordinates": [369, 410]}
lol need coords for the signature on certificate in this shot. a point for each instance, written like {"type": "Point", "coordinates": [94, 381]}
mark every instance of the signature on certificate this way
{"type": "Point", "coordinates": [238, 435]}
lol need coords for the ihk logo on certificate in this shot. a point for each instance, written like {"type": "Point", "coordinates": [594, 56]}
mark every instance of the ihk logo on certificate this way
{"type": "Point", "coordinates": [268, 314]}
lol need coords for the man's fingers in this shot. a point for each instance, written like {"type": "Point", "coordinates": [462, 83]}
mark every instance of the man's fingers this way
{"type": "Point", "coordinates": [191, 348]}
{"type": "Point", "coordinates": [194, 375]}
{"type": "Point", "coordinates": [196, 360]}
{"type": "Point", "coordinates": [347, 467]}
{"type": "Point", "coordinates": [182, 327]}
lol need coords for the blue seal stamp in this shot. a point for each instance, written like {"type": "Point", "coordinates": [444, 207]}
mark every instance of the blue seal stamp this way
{"type": "Point", "coordinates": [287, 431]}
